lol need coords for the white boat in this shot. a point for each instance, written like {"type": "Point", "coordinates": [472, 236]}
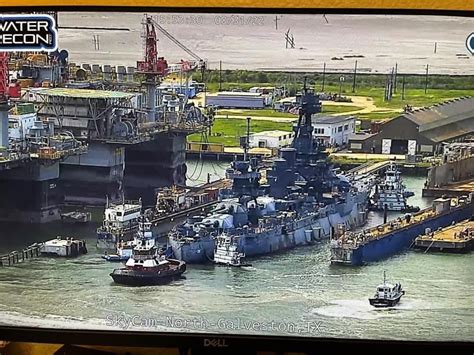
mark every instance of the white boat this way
{"type": "Point", "coordinates": [226, 252]}
{"type": "Point", "coordinates": [76, 217]}
{"type": "Point", "coordinates": [387, 294]}
{"type": "Point", "coordinates": [390, 193]}
{"type": "Point", "coordinates": [64, 247]}
{"type": "Point", "coordinates": [120, 223]}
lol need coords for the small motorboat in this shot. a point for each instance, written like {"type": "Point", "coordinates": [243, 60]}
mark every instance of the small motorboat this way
{"type": "Point", "coordinates": [387, 295]}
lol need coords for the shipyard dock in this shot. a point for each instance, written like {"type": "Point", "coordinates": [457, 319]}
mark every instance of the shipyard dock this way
{"type": "Point", "coordinates": [358, 248]}
{"type": "Point", "coordinates": [452, 190]}
{"type": "Point", "coordinates": [458, 239]}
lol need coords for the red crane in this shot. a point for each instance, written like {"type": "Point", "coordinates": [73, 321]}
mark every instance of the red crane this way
{"type": "Point", "coordinates": [4, 77]}
{"type": "Point", "coordinates": [152, 64]}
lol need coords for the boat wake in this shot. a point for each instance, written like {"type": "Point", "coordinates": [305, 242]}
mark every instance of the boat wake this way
{"type": "Point", "coordinates": [358, 309]}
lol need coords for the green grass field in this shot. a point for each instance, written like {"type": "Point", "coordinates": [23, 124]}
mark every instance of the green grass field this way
{"type": "Point", "coordinates": [440, 88]}
{"type": "Point", "coordinates": [228, 130]}
{"type": "Point", "coordinates": [330, 109]}
{"type": "Point", "coordinates": [327, 109]}
{"type": "Point", "coordinates": [413, 97]}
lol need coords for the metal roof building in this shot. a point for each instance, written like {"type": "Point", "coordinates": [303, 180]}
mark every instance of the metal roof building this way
{"type": "Point", "coordinates": [243, 100]}
{"type": "Point", "coordinates": [422, 131]}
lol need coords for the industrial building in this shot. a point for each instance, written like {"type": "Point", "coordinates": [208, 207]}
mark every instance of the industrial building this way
{"type": "Point", "coordinates": [333, 130]}
{"type": "Point", "coordinates": [285, 104]}
{"type": "Point", "coordinates": [420, 131]}
{"type": "Point", "coordinates": [244, 100]}
{"type": "Point", "coordinates": [270, 139]}
{"type": "Point", "coordinates": [189, 90]}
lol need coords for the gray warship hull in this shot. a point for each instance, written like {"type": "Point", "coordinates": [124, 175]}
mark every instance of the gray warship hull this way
{"type": "Point", "coordinates": [307, 230]}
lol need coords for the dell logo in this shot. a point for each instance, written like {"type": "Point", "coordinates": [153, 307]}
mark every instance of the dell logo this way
{"type": "Point", "coordinates": [215, 343]}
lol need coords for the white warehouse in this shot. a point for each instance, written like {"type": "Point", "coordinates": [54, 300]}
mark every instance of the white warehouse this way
{"type": "Point", "coordinates": [270, 139]}
{"type": "Point", "coordinates": [333, 130]}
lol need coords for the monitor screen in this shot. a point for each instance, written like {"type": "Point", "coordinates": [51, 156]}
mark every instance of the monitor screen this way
{"type": "Point", "coordinates": [278, 174]}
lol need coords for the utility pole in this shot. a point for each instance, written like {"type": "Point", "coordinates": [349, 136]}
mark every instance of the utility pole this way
{"type": "Point", "coordinates": [391, 82]}
{"type": "Point", "coordinates": [395, 78]}
{"type": "Point", "coordinates": [324, 76]}
{"type": "Point", "coordinates": [220, 75]}
{"type": "Point", "coordinates": [426, 78]}
{"type": "Point", "coordinates": [341, 80]}
{"type": "Point", "coordinates": [403, 87]}
{"type": "Point", "coordinates": [276, 22]}
{"type": "Point", "coordinates": [435, 47]}
{"type": "Point", "coordinates": [355, 74]}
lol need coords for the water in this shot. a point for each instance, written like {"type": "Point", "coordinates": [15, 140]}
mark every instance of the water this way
{"type": "Point", "coordinates": [379, 41]}
{"type": "Point", "coordinates": [292, 293]}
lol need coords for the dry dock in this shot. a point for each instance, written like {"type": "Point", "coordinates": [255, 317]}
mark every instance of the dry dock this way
{"type": "Point", "coordinates": [457, 238]}
{"type": "Point", "coordinates": [452, 190]}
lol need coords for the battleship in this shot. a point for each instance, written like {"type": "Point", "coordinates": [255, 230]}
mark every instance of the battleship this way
{"type": "Point", "coordinates": [302, 202]}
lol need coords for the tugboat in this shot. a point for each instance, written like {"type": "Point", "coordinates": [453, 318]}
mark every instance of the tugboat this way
{"type": "Point", "coordinates": [146, 266]}
{"type": "Point", "coordinates": [390, 194]}
{"type": "Point", "coordinates": [226, 252]}
{"type": "Point", "coordinates": [387, 295]}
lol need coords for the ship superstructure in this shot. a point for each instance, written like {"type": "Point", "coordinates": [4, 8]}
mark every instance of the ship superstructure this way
{"type": "Point", "coordinates": [120, 223]}
{"type": "Point", "coordinates": [390, 193]}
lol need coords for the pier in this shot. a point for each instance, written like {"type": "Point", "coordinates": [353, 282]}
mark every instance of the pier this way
{"type": "Point", "coordinates": [18, 256]}
{"type": "Point", "coordinates": [369, 168]}
{"type": "Point", "coordinates": [456, 238]}
{"type": "Point", "coordinates": [68, 247]}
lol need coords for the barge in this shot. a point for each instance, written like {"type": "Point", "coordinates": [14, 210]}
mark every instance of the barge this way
{"type": "Point", "coordinates": [455, 239]}
{"type": "Point", "coordinates": [358, 248]}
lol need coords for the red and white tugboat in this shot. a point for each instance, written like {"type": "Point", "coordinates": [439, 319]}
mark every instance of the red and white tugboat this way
{"type": "Point", "coordinates": [145, 266]}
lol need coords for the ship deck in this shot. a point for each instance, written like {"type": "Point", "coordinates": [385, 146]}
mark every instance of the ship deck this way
{"type": "Point", "coordinates": [357, 239]}
{"type": "Point", "coordinates": [449, 238]}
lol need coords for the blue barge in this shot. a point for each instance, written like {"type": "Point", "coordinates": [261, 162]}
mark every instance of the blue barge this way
{"type": "Point", "coordinates": [357, 248]}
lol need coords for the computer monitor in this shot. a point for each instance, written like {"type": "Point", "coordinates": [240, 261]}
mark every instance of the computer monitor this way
{"type": "Point", "coordinates": [216, 178]}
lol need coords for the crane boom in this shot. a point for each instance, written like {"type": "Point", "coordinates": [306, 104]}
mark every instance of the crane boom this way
{"type": "Point", "coordinates": [175, 41]}
{"type": "Point", "coordinates": [4, 76]}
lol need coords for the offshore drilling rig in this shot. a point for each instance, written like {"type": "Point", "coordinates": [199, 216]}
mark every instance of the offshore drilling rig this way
{"type": "Point", "coordinates": [129, 134]}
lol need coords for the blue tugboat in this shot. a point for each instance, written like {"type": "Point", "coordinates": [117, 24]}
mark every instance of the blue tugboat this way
{"type": "Point", "coordinates": [303, 202]}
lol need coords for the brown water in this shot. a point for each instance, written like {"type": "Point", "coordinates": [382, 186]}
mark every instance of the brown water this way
{"type": "Point", "coordinates": [252, 42]}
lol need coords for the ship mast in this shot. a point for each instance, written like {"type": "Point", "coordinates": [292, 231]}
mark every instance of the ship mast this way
{"type": "Point", "coordinates": [247, 142]}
